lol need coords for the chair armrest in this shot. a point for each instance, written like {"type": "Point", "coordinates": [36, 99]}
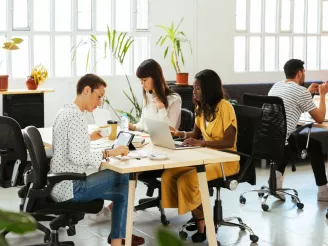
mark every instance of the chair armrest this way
{"type": "Point", "coordinates": [301, 128]}
{"type": "Point", "coordinates": [230, 184]}
{"type": "Point", "coordinates": [5, 151]}
{"type": "Point", "coordinates": [235, 152]}
{"type": "Point", "coordinates": [54, 178]}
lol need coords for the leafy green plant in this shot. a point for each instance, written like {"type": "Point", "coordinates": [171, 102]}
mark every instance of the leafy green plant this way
{"type": "Point", "coordinates": [117, 44]}
{"type": "Point", "coordinates": [18, 223]}
{"type": "Point", "coordinates": [165, 238]}
{"type": "Point", "coordinates": [173, 39]}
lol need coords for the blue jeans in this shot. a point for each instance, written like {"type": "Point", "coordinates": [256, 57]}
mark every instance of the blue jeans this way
{"type": "Point", "coordinates": [107, 185]}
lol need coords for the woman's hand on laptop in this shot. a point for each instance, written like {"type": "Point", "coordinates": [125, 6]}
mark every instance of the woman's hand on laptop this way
{"type": "Point", "coordinates": [174, 132]}
{"type": "Point", "coordinates": [193, 142]}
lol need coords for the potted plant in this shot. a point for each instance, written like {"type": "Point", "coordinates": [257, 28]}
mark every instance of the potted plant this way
{"type": "Point", "coordinates": [174, 37]}
{"type": "Point", "coordinates": [117, 45]}
{"type": "Point", "coordinates": [18, 223]}
{"type": "Point", "coordinates": [11, 45]}
{"type": "Point", "coordinates": [38, 76]}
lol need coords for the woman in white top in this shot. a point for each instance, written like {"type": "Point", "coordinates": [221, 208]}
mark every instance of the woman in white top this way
{"type": "Point", "coordinates": [160, 102]}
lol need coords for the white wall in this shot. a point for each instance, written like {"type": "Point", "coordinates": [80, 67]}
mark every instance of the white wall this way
{"type": "Point", "coordinates": [210, 26]}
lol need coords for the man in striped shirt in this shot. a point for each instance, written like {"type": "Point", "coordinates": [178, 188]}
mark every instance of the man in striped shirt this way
{"type": "Point", "coordinates": [297, 100]}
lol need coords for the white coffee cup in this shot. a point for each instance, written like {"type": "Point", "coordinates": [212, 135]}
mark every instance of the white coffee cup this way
{"type": "Point", "coordinates": [105, 131]}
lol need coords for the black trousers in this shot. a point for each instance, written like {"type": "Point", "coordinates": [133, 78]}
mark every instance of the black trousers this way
{"type": "Point", "coordinates": [316, 157]}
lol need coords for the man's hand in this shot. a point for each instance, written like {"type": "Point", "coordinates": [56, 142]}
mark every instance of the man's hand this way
{"type": "Point", "coordinates": [323, 88]}
{"type": "Point", "coordinates": [313, 88]}
{"type": "Point", "coordinates": [192, 142]}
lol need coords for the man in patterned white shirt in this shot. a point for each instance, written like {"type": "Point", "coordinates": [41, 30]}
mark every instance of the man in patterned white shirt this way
{"type": "Point", "coordinates": [71, 147]}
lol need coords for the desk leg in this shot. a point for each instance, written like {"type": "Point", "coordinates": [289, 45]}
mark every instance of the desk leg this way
{"type": "Point", "coordinates": [129, 218]}
{"type": "Point", "coordinates": [203, 187]}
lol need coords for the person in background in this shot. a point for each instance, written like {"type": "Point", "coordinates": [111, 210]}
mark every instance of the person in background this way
{"type": "Point", "coordinates": [216, 122]}
{"type": "Point", "coordinates": [71, 153]}
{"type": "Point", "coordinates": [297, 100]}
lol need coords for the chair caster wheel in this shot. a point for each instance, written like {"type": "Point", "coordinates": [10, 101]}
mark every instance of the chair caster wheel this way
{"type": "Point", "coordinates": [300, 205]}
{"type": "Point", "coordinates": [265, 207]}
{"type": "Point", "coordinates": [254, 238]}
{"type": "Point", "coordinates": [260, 195]}
{"type": "Point", "coordinates": [242, 228]}
{"type": "Point", "coordinates": [164, 221]}
{"type": "Point", "coordinates": [46, 238]}
{"type": "Point", "coordinates": [242, 200]}
{"type": "Point", "coordinates": [183, 235]}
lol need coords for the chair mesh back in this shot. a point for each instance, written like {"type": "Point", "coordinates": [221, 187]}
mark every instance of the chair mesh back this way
{"type": "Point", "coordinates": [38, 156]}
{"type": "Point", "coordinates": [248, 121]}
{"type": "Point", "coordinates": [11, 140]}
{"type": "Point", "coordinates": [271, 135]}
{"type": "Point", "coordinates": [187, 121]}
{"type": "Point", "coordinates": [11, 137]}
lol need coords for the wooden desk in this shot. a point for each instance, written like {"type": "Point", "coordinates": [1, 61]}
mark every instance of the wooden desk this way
{"type": "Point", "coordinates": [177, 158]}
{"type": "Point", "coordinates": [25, 106]}
{"type": "Point", "coordinates": [25, 91]}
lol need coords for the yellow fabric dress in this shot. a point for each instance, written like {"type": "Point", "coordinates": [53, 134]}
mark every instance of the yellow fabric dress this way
{"type": "Point", "coordinates": [180, 187]}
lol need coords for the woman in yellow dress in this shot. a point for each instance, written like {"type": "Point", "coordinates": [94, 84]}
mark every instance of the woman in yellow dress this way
{"type": "Point", "coordinates": [216, 122]}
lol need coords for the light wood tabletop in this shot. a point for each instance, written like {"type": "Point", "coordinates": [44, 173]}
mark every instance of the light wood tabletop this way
{"type": "Point", "coordinates": [176, 158]}
{"type": "Point", "coordinates": [26, 91]}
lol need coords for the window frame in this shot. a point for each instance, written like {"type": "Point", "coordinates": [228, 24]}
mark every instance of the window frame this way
{"type": "Point", "coordinates": [279, 33]}
{"type": "Point", "coordinates": [73, 33]}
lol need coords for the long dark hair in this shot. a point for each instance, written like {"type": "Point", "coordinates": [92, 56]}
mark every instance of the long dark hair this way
{"type": "Point", "coordinates": [212, 94]}
{"type": "Point", "coordinates": [151, 68]}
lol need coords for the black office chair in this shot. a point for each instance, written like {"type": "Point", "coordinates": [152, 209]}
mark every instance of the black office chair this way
{"type": "Point", "coordinates": [248, 120]}
{"type": "Point", "coordinates": [36, 198]}
{"type": "Point", "coordinates": [271, 142]}
{"type": "Point", "coordinates": [150, 179]}
{"type": "Point", "coordinates": [327, 214]}
{"type": "Point", "coordinates": [13, 156]}
{"type": "Point", "coordinates": [187, 120]}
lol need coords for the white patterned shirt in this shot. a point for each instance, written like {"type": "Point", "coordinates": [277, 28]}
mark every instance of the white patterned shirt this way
{"type": "Point", "coordinates": [171, 114]}
{"type": "Point", "coordinates": [71, 149]}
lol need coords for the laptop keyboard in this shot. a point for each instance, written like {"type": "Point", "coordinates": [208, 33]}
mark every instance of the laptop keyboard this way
{"type": "Point", "coordinates": [178, 144]}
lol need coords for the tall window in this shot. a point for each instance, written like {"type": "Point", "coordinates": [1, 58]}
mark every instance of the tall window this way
{"type": "Point", "coordinates": [50, 28]}
{"type": "Point", "coordinates": [269, 32]}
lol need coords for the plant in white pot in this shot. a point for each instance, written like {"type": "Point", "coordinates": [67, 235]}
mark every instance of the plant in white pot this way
{"type": "Point", "coordinates": [11, 45]}
{"type": "Point", "coordinates": [173, 39]}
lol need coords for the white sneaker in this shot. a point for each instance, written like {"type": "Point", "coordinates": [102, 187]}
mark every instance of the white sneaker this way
{"type": "Point", "coordinates": [323, 195]}
{"type": "Point", "coordinates": [104, 215]}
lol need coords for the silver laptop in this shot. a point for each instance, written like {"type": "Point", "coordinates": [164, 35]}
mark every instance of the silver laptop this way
{"type": "Point", "coordinates": [160, 135]}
